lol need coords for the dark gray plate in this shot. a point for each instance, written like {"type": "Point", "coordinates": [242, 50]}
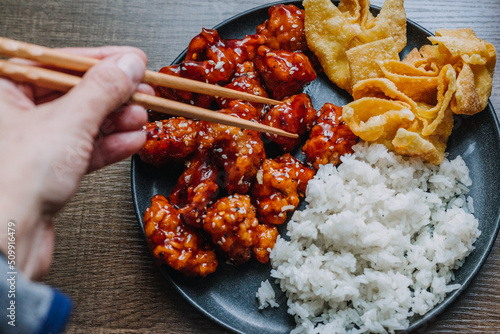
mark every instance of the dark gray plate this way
{"type": "Point", "coordinates": [228, 296]}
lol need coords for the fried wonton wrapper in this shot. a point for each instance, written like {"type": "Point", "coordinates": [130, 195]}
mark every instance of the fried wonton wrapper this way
{"type": "Point", "coordinates": [470, 99]}
{"type": "Point", "coordinates": [329, 31]}
{"type": "Point", "coordinates": [384, 114]}
{"type": "Point", "coordinates": [429, 58]}
{"type": "Point", "coordinates": [363, 59]}
{"type": "Point", "coordinates": [357, 10]}
{"type": "Point", "coordinates": [465, 44]}
{"type": "Point", "coordinates": [472, 59]}
{"type": "Point", "coordinates": [432, 117]}
{"type": "Point", "coordinates": [476, 68]}
{"type": "Point", "coordinates": [383, 89]}
{"type": "Point", "coordinates": [375, 119]}
{"type": "Point", "coordinates": [453, 76]}
{"type": "Point", "coordinates": [333, 31]}
{"type": "Point", "coordinates": [416, 82]}
{"type": "Point", "coordinates": [411, 143]}
{"type": "Point", "coordinates": [407, 105]}
{"type": "Point", "coordinates": [390, 22]}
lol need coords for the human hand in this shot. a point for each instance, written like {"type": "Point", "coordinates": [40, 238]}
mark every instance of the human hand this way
{"type": "Point", "coordinates": [48, 141]}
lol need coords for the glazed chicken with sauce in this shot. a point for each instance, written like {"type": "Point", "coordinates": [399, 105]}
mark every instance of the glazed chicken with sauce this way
{"type": "Point", "coordinates": [200, 71]}
{"type": "Point", "coordinates": [234, 229]}
{"type": "Point", "coordinates": [208, 45]}
{"type": "Point", "coordinates": [245, 79]}
{"type": "Point", "coordinates": [239, 152]}
{"type": "Point", "coordinates": [230, 197]}
{"type": "Point", "coordinates": [169, 140]}
{"type": "Point", "coordinates": [330, 138]}
{"type": "Point", "coordinates": [210, 59]}
{"type": "Point", "coordinates": [296, 114]}
{"type": "Point", "coordinates": [172, 242]}
{"type": "Point", "coordinates": [196, 189]}
{"type": "Point", "coordinates": [283, 73]}
{"type": "Point", "coordinates": [284, 30]}
{"type": "Point", "coordinates": [281, 182]}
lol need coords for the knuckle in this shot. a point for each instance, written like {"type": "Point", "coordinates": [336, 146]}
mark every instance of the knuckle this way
{"type": "Point", "coordinates": [12, 95]}
{"type": "Point", "coordinates": [113, 82]}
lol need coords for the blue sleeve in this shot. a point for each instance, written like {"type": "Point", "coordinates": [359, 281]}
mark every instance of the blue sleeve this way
{"type": "Point", "coordinates": [30, 308]}
{"type": "Point", "coordinates": [58, 314]}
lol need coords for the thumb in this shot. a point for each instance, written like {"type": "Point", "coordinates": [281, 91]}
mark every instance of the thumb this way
{"type": "Point", "coordinates": [104, 88]}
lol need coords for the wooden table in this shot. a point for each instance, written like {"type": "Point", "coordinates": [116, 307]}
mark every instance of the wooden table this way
{"type": "Point", "coordinates": [101, 259]}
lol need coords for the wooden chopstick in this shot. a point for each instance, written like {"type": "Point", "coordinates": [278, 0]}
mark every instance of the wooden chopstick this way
{"type": "Point", "coordinates": [64, 82]}
{"type": "Point", "coordinates": [61, 59]}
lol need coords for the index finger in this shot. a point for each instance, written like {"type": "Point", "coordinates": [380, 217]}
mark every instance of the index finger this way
{"type": "Point", "coordinates": [42, 95]}
{"type": "Point", "coordinates": [104, 51]}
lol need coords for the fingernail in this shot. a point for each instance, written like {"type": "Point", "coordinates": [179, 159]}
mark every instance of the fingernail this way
{"type": "Point", "coordinates": [132, 65]}
{"type": "Point", "coordinates": [146, 89]}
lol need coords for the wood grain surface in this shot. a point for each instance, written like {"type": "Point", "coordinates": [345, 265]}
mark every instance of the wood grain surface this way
{"type": "Point", "coordinates": [101, 259]}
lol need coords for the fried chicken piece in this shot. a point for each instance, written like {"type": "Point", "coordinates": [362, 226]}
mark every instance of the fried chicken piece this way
{"type": "Point", "coordinates": [168, 140]}
{"type": "Point", "coordinates": [209, 59]}
{"type": "Point", "coordinates": [226, 54]}
{"type": "Point", "coordinates": [240, 152]}
{"type": "Point", "coordinates": [246, 47]}
{"type": "Point", "coordinates": [284, 73]}
{"type": "Point", "coordinates": [197, 70]}
{"type": "Point", "coordinates": [208, 45]}
{"type": "Point", "coordinates": [245, 79]}
{"type": "Point", "coordinates": [296, 115]}
{"type": "Point", "coordinates": [174, 243]}
{"type": "Point", "coordinates": [284, 30]}
{"type": "Point", "coordinates": [265, 241]}
{"type": "Point", "coordinates": [330, 138]}
{"type": "Point", "coordinates": [281, 182]}
{"type": "Point", "coordinates": [196, 189]}
{"type": "Point", "coordinates": [242, 109]}
{"type": "Point", "coordinates": [234, 229]}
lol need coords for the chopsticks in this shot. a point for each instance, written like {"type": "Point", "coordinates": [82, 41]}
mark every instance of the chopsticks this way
{"type": "Point", "coordinates": [64, 82]}
{"type": "Point", "coordinates": [61, 59]}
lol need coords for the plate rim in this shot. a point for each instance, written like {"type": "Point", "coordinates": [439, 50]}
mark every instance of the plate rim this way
{"type": "Point", "coordinates": [431, 315]}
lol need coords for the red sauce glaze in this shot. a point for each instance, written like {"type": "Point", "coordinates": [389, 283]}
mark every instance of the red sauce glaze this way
{"type": "Point", "coordinates": [180, 246]}
{"type": "Point", "coordinates": [330, 138]}
{"type": "Point", "coordinates": [239, 152]}
{"type": "Point", "coordinates": [281, 182]}
{"type": "Point", "coordinates": [209, 59]}
{"type": "Point", "coordinates": [241, 109]}
{"type": "Point", "coordinates": [245, 79]}
{"type": "Point", "coordinates": [234, 229]}
{"type": "Point", "coordinates": [284, 30]}
{"type": "Point", "coordinates": [168, 140]}
{"type": "Point", "coordinates": [199, 71]}
{"type": "Point", "coordinates": [296, 115]}
{"type": "Point", "coordinates": [208, 45]}
{"type": "Point", "coordinates": [247, 47]}
{"type": "Point", "coordinates": [284, 73]}
{"type": "Point", "coordinates": [196, 189]}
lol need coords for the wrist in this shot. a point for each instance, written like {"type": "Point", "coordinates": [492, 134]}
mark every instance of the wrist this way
{"type": "Point", "coordinates": [17, 215]}
{"type": "Point", "coordinates": [26, 238]}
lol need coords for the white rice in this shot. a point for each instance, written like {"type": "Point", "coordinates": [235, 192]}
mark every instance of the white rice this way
{"type": "Point", "coordinates": [266, 295]}
{"type": "Point", "coordinates": [376, 244]}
